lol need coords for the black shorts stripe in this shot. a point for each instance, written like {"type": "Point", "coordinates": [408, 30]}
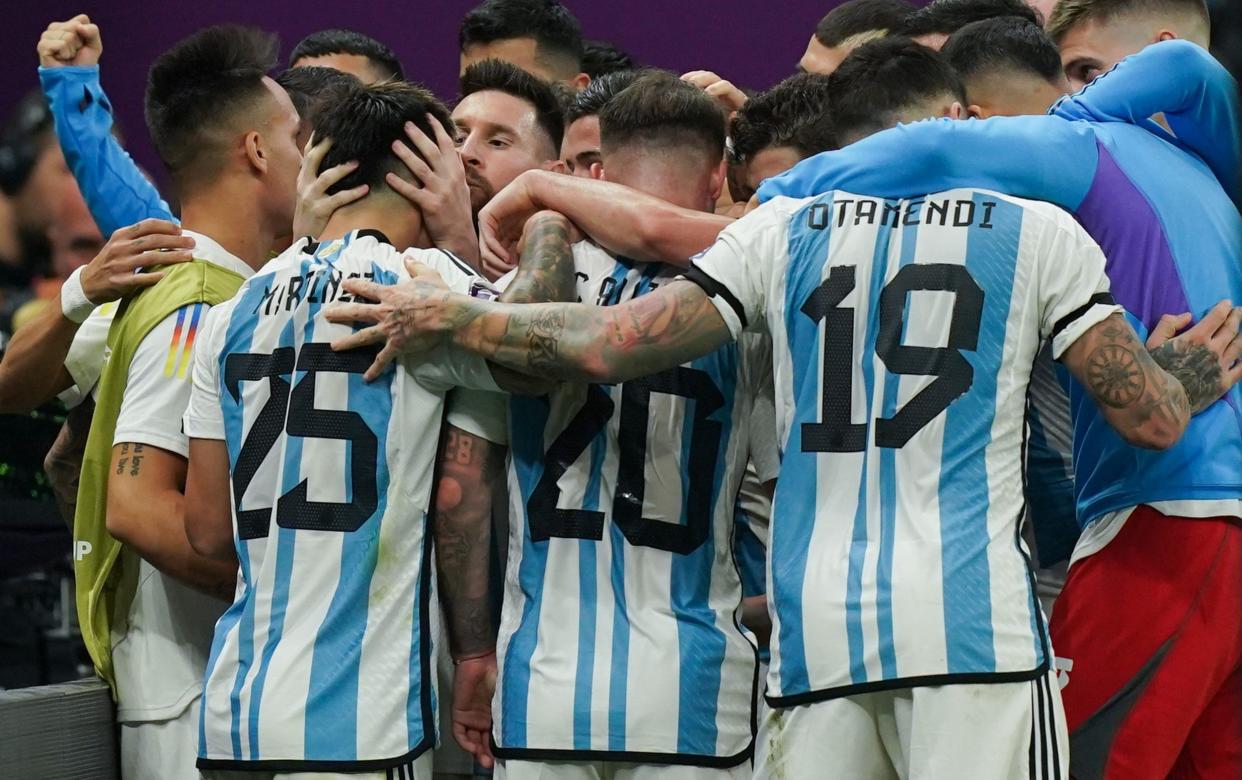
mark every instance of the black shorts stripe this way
{"type": "Point", "coordinates": [714, 288]}
{"type": "Point", "coordinates": [1052, 730]}
{"type": "Point", "coordinates": [1104, 299]}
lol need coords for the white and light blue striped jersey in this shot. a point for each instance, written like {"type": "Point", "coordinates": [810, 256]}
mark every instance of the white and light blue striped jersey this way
{"type": "Point", "coordinates": [619, 636]}
{"type": "Point", "coordinates": [324, 661]}
{"type": "Point", "coordinates": [903, 335]}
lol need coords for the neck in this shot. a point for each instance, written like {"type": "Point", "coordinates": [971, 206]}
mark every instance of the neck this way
{"type": "Point", "coordinates": [663, 178]}
{"type": "Point", "coordinates": [392, 216]}
{"type": "Point", "coordinates": [227, 216]}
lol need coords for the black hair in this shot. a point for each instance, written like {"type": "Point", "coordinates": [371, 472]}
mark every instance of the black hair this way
{"type": "Point", "coordinates": [314, 89]}
{"type": "Point", "coordinates": [599, 58]}
{"type": "Point", "coordinates": [948, 16]}
{"type": "Point", "coordinates": [661, 110]}
{"type": "Point", "coordinates": [595, 96]}
{"type": "Point", "coordinates": [22, 139]}
{"type": "Point", "coordinates": [556, 32]}
{"type": "Point", "coordinates": [202, 83]}
{"type": "Point", "coordinates": [793, 113]}
{"type": "Point", "coordinates": [325, 42]}
{"type": "Point", "coordinates": [505, 77]}
{"type": "Point", "coordinates": [862, 16]}
{"type": "Point", "coordinates": [1004, 43]}
{"type": "Point", "coordinates": [364, 123]}
{"type": "Point", "coordinates": [881, 79]}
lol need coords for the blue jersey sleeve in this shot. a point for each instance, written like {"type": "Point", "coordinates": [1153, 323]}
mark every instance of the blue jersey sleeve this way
{"type": "Point", "coordinates": [114, 189]}
{"type": "Point", "coordinates": [1196, 94]}
{"type": "Point", "coordinates": [1037, 157]}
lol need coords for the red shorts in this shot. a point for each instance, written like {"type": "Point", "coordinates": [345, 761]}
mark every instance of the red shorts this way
{"type": "Point", "coordinates": [1150, 628]}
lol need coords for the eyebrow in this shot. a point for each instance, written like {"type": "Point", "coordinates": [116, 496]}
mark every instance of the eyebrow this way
{"type": "Point", "coordinates": [488, 127]}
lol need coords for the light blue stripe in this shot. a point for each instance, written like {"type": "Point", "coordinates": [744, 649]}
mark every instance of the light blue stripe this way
{"type": "Point", "coordinates": [588, 596]}
{"type": "Point", "coordinates": [793, 514]}
{"type": "Point", "coordinates": [991, 255]}
{"type": "Point", "coordinates": [859, 540]}
{"type": "Point", "coordinates": [701, 643]}
{"type": "Point", "coordinates": [528, 418]}
{"type": "Point", "coordinates": [888, 483]}
{"type": "Point", "coordinates": [240, 614]}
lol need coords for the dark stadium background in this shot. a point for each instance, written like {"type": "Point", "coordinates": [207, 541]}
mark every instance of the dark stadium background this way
{"type": "Point", "coordinates": [756, 43]}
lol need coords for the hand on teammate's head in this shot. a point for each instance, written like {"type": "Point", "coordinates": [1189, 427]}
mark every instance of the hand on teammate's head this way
{"type": "Point", "coordinates": [315, 206]}
{"type": "Point", "coordinates": [439, 189]}
{"type": "Point", "coordinates": [74, 42]}
{"type": "Point", "coordinates": [725, 93]}
{"type": "Point", "coordinates": [116, 272]}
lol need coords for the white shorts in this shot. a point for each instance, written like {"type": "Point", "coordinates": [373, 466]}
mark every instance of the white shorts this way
{"type": "Point", "coordinates": [999, 731]}
{"type": "Point", "coordinates": [419, 769]}
{"type": "Point", "coordinates": [613, 770]}
{"type": "Point", "coordinates": [161, 749]}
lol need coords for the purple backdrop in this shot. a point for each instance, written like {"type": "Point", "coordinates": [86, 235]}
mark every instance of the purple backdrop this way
{"type": "Point", "coordinates": [754, 44]}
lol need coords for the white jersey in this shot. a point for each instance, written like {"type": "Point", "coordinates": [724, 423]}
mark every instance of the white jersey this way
{"type": "Point", "coordinates": [903, 338]}
{"type": "Point", "coordinates": [619, 637]}
{"type": "Point", "coordinates": [324, 660]}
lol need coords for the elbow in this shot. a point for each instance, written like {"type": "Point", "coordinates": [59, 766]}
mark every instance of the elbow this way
{"type": "Point", "coordinates": [1154, 436]}
{"type": "Point", "coordinates": [121, 525]}
{"type": "Point", "coordinates": [206, 543]}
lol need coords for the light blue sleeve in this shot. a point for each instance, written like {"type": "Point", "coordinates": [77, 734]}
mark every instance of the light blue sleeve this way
{"type": "Point", "coordinates": [1037, 157]}
{"type": "Point", "coordinates": [1196, 94]}
{"type": "Point", "coordinates": [114, 189]}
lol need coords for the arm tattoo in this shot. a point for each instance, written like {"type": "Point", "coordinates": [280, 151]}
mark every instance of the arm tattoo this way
{"type": "Point", "coordinates": [1196, 367]}
{"type": "Point", "coordinates": [1123, 376]}
{"type": "Point", "coordinates": [546, 271]}
{"type": "Point", "coordinates": [462, 528]}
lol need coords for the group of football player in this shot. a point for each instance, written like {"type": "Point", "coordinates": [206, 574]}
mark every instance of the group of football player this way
{"type": "Point", "coordinates": [682, 431]}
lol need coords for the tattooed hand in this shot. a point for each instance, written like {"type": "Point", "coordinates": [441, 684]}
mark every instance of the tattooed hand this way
{"type": "Point", "coordinates": [409, 318]}
{"type": "Point", "coordinates": [1206, 359]}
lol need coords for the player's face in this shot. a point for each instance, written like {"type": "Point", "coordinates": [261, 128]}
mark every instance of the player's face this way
{"type": "Point", "coordinates": [355, 65]}
{"type": "Point", "coordinates": [580, 148]}
{"type": "Point", "coordinates": [1091, 48]}
{"type": "Point", "coordinates": [498, 137]}
{"type": "Point", "coordinates": [765, 164]}
{"type": "Point", "coordinates": [822, 59]}
{"type": "Point", "coordinates": [516, 51]}
{"type": "Point", "coordinates": [280, 138]}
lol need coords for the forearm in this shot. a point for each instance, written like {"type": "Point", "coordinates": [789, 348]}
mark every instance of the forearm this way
{"type": "Point", "coordinates": [546, 270]}
{"type": "Point", "coordinates": [627, 222]}
{"type": "Point", "coordinates": [33, 371]}
{"type": "Point", "coordinates": [580, 343]}
{"type": "Point", "coordinates": [462, 527]}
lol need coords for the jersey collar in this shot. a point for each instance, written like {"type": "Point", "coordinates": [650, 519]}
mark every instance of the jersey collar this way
{"type": "Point", "coordinates": [207, 250]}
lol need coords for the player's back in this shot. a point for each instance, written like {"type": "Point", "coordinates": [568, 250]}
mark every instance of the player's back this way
{"type": "Point", "coordinates": [619, 634]}
{"type": "Point", "coordinates": [325, 656]}
{"type": "Point", "coordinates": [903, 334]}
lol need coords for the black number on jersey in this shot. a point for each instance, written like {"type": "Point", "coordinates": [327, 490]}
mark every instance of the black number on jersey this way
{"type": "Point", "coordinates": [954, 374]}
{"type": "Point", "coordinates": [548, 521]}
{"type": "Point", "coordinates": [293, 412]}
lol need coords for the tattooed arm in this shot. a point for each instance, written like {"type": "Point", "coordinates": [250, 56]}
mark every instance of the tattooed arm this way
{"type": "Point", "coordinates": [146, 510]}
{"type": "Point", "coordinates": [1147, 405]}
{"type": "Point", "coordinates": [567, 341]}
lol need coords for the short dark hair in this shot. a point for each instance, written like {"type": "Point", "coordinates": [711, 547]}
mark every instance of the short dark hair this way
{"type": "Point", "coordinates": [858, 17]}
{"type": "Point", "coordinates": [881, 79]}
{"type": "Point", "coordinates": [793, 113]}
{"type": "Point", "coordinates": [1005, 43]}
{"type": "Point", "coordinates": [599, 58]}
{"type": "Point", "coordinates": [1067, 14]}
{"type": "Point", "coordinates": [505, 77]}
{"type": "Point", "coordinates": [336, 41]}
{"type": "Point", "coordinates": [314, 89]}
{"type": "Point", "coordinates": [596, 95]}
{"type": "Point", "coordinates": [202, 83]}
{"type": "Point", "coordinates": [661, 110]}
{"type": "Point", "coordinates": [556, 32]}
{"type": "Point", "coordinates": [948, 16]}
{"type": "Point", "coordinates": [365, 122]}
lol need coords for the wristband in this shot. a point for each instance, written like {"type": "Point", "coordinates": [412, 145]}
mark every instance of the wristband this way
{"type": "Point", "coordinates": [73, 301]}
{"type": "Point", "coordinates": [475, 657]}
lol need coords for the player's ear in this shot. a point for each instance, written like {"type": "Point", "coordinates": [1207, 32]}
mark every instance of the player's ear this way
{"type": "Point", "coordinates": [558, 167]}
{"type": "Point", "coordinates": [977, 112]}
{"type": "Point", "coordinates": [1165, 35]}
{"type": "Point", "coordinates": [256, 154]}
{"type": "Point", "coordinates": [579, 82]}
{"type": "Point", "coordinates": [717, 182]}
{"type": "Point", "coordinates": [955, 111]}
{"type": "Point", "coordinates": [597, 171]}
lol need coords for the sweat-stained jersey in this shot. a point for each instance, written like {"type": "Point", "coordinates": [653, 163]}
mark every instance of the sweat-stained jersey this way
{"type": "Point", "coordinates": [619, 638]}
{"type": "Point", "coordinates": [903, 335]}
{"type": "Point", "coordinates": [324, 661]}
